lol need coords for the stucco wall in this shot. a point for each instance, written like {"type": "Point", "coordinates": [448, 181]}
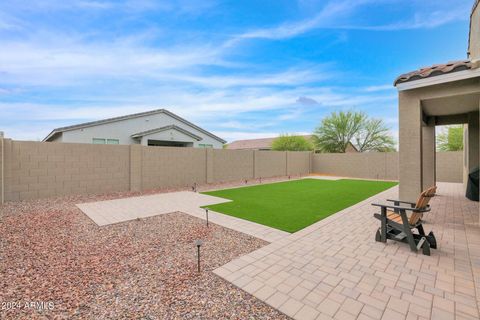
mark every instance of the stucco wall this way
{"type": "Point", "coordinates": [122, 130]}
{"type": "Point", "coordinates": [168, 135]}
{"type": "Point", "coordinates": [383, 166]}
{"type": "Point", "coordinates": [475, 35]}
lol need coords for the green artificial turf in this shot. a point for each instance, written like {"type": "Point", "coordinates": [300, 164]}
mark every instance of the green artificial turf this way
{"type": "Point", "coordinates": [294, 205]}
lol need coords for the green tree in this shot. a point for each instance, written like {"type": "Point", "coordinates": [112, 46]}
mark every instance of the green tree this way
{"type": "Point", "coordinates": [337, 130]}
{"type": "Point", "coordinates": [450, 139]}
{"type": "Point", "coordinates": [291, 143]}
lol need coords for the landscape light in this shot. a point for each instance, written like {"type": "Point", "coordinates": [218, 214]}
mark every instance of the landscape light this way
{"type": "Point", "coordinates": [206, 213]}
{"type": "Point", "coordinates": [198, 243]}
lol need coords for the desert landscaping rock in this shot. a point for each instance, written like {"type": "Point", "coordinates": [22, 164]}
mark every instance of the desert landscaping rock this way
{"type": "Point", "coordinates": [143, 269]}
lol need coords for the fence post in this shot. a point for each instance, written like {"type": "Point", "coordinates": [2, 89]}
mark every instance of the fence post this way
{"type": "Point", "coordinates": [286, 163]}
{"type": "Point", "coordinates": [310, 169]}
{"type": "Point", "coordinates": [254, 164]}
{"type": "Point", "coordinates": [135, 167]}
{"type": "Point", "coordinates": [2, 169]}
{"type": "Point", "coordinates": [209, 166]}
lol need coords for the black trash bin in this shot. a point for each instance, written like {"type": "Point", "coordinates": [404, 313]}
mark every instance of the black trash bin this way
{"type": "Point", "coordinates": [472, 185]}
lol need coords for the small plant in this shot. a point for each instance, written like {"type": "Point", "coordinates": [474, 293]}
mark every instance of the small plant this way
{"type": "Point", "coordinates": [450, 139]}
{"type": "Point", "coordinates": [291, 143]}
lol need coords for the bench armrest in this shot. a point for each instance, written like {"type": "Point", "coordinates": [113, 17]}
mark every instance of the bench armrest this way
{"type": "Point", "coordinates": [388, 206]}
{"type": "Point", "coordinates": [400, 201]}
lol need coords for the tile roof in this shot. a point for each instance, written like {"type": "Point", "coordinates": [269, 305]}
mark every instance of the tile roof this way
{"type": "Point", "coordinates": [255, 144]}
{"type": "Point", "coordinates": [435, 70]}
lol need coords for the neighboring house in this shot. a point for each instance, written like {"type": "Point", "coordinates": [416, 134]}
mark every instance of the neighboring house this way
{"type": "Point", "coordinates": [351, 148]}
{"type": "Point", "coordinates": [255, 144]}
{"type": "Point", "coordinates": [442, 94]}
{"type": "Point", "coordinates": [152, 128]}
{"type": "Point", "coordinates": [266, 144]}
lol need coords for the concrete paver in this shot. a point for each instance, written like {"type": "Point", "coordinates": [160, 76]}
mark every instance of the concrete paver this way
{"type": "Point", "coordinates": [120, 210]}
{"type": "Point", "coordinates": [334, 269]}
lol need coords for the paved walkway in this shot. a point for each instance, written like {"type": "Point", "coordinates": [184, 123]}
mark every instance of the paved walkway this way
{"type": "Point", "coordinates": [121, 210]}
{"type": "Point", "coordinates": [335, 270]}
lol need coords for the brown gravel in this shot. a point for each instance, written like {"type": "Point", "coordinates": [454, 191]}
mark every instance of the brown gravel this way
{"type": "Point", "coordinates": [143, 269]}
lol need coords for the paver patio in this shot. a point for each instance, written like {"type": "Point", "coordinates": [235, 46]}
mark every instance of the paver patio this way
{"type": "Point", "coordinates": [334, 269]}
{"type": "Point", "coordinates": [121, 210]}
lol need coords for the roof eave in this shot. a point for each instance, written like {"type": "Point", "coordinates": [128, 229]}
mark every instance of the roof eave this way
{"type": "Point", "coordinates": [50, 135]}
{"type": "Point", "coordinates": [135, 115]}
{"type": "Point", "coordinates": [439, 79]}
{"type": "Point", "coordinates": [173, 115]}
{"type": "Point", "coordinates": [162, 129]}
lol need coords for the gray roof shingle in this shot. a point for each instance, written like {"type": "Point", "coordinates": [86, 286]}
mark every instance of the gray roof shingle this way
{"type": "Point", "coordinates": [130, 116]}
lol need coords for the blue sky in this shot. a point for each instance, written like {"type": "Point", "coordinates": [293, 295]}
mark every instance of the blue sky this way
{"type": "Point", "coordinates": [241, 69]}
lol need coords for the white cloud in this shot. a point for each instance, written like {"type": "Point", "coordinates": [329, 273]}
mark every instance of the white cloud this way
{"type": "Point", "coordinates": [421, 20]}
{"type": "Point", "coordinates": [291, 77]}
{"type": "Point", "coordinates": [50, 59]}
{"type": "Point", "coordinates": [378, 88]}
{"type": "Point", "coordinates": [336, 14]}
{"type": "Point", "coordinates": [292, 29]}
{"type": "Point", "coordinates": [95, 4]}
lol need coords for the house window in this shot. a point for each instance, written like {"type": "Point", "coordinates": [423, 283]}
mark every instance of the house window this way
{"type": "Point", "coordinates": [205, 145]}
{"type": "Point", "coordinates": [105, 141]}
{"type": "Point", "coordinates": [112, 141]}
{"type": "Point", "coordinates": [98, 141]}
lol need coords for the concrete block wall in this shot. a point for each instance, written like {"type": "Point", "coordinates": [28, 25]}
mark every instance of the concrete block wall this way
{"type": "Point", "coordinates": [370, 165]}
{"type": "Point", "coordinates": [384, 166]}
{"type": "Point", "coordinates": [449, 166]}
{"type": "Point", "coordinates": [270, 164]}
{"type": "Point", "coordinates": [232, 165]}
{"type": "Point", "coordinates": [39, 169]}
{"type": "Point", "coordinates": [44, 169]}
{"type": "Point", "coordinates": [298, 163]}
{"type": "Point", "coordinates": [164, 167]}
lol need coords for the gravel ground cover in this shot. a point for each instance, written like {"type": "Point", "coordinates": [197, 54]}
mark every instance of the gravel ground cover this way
{"type": "Point", "coordinates": [142, 269]}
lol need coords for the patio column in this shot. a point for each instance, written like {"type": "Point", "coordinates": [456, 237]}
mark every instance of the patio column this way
{"type": "Point", "coordinates": [428, 154]}
{"type": "Point", "coordinates": [410, 146]}
{"type": "Point", "coordinates": [472, 141]}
